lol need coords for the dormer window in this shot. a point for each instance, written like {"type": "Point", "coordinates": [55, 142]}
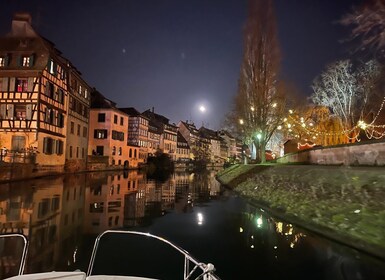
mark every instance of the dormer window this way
{"type": "Point", "coordinates": [3, 61]}
{"type": "Point", "coordinates": [26, 61]}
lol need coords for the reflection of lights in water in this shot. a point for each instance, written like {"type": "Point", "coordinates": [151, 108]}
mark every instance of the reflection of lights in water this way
{"type": "Point", "coordinates": [252, 246]}
{"type": "Point", "coordinates": [74, 255]}
{"type": "Point", "coordinates": [275, 247]}
{"type": "Point", "coordinates": [292, 245]}
{"type": "Point", "coordinates": [240, 229]}
{"type": "Point", "coordinates": [200, 218]}
{"type": "Point", "coordinates": [259, 222]}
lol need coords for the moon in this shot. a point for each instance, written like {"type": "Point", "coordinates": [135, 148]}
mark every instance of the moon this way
{"type": "Point", "coordinates": [202, 108]}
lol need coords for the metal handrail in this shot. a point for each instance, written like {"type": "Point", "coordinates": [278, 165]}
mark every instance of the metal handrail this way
{"type": "Point", "coordinates": [207, 269]}
{"type": "Point", "coordinates": [25, 248]}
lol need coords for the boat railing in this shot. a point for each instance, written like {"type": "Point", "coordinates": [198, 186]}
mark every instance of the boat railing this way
{"type": "Point", "coordinates": [191, 265]}
{"type": "Point", "coordinates": [8, 247]}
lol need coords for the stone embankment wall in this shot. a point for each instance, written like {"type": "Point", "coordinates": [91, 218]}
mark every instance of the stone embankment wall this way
{"type": "Point", "coordinates": [370, 153]}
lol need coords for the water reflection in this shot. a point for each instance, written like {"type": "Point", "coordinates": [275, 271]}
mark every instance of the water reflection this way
{"type": "Point", "coordinates": [61, 216]}
{"type": "Point", "coordinates": [55, 213]}
{"type": "Point", "coordinates": [285, 244]}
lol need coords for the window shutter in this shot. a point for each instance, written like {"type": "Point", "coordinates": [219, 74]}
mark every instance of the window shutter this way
{"type": "Point", "coordinates": [28, 114]}
{"type": "Point", "coordinates": [19, 61]}
{"type": "Point", "coordinates": [12, 82]}
{"type": "Point", "coordinates": [3, 111]}
{"type": "Point", "coordinates": [4, 84]}
{"type": "Point", "coordinates": [30, 84]}
{"type": "Point", "coordinates": [54, 146]}
{"type": "Point", "coordinates": [31, 60]}
{"type": "Point", "coordinates": [11, 111]}
{"type": "Point", "coordinates": [6, 60]}
{"type": "Point", "coordinates": [45, 145]}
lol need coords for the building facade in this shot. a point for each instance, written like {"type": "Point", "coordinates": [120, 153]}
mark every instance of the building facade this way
{"type": "Point", "coordinates": [34, 100]}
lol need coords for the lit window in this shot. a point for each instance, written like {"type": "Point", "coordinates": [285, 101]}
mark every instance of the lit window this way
{"type": "Point", "coordinates": [26, 61]}
{"type": "Point", "coordinates": [100, 133]}
{"type": "Point", "coordinates": [3, 61]}
{"type": "Point", "coordinates": [21, 84]}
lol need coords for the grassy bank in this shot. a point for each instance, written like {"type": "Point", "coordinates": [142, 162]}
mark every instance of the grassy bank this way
{"type": "Point", "coordinates": [347, 204]}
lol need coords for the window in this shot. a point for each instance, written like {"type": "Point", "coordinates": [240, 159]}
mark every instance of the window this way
{"type": "Point", "coordinates": [116, 135]}
{"type": "Point", "coordinates": [49, 115]}
{"type": "Point", "coordinates": [115, 119]}
{"type": "Point", "coordinates": [20, 111]}
{"type": "Point", "coordinates": [130, 153]}
{"type": "Point", "coordinates": [59, 96]}
{"type": "Point", "coordinates": [51, 67]}
{"type": "Point", "coordinates": [101, 117]}
{"type": "Point", "coordinates": [100, 133]}
{"type": "Point", "coordinates": [59, 147]}
{"type": "Point", "coordinates": [70, 151]}
{"type": "Point", "coordinates": [4, 61]}
{"type": "Point", "coordinates": [85, 93]}
{"type": "Point", "coordinates": [48, 145]}
{"type": "Point", "coordinates": [18, 143]}
{"type": "Point", "coordinates": [72, 127]}
{"type": "Point", "coordinates": [77, 152]}
{"type": "Point", "coordinates": [121, 121]}
{"type": "Point", "coordinates": [100, 150]}
{"type": "Point", "coordinates": [113, 150]}
{"type": "Point", "coordinates": [60, 120]}
{"type": "Point", "coordinates": [120, 152]}
{"type": "Point", "coordinates": [84, 131]}
{"type": "Point", "coordinates": [21, 84]}
{"type": "Point", "coordinates": [49, 89]}
{"type": "Point", "coordinates": [26, 61]}
{"type": "Point", "coordinates": [78, 131]}
{"type": "Point", "coordinates": [80, 89]}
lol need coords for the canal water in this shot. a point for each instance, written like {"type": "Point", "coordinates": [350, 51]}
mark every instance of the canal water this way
{"type": "Point", "coordinates": [61, 216]}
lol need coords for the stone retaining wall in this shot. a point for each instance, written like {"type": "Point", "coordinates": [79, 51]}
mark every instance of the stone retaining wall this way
{"type": "Point", "coordinates": [370, 153]}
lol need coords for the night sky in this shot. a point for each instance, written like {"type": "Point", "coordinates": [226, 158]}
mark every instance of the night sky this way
{"type": "Point", "coordinates": [175, 55]}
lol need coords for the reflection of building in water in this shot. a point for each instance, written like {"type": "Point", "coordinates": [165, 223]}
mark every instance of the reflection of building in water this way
{"type": "Point", "coordinates": [183, 199]}
{"type": "Point", "coordinates": [214, 186]}
{"type": "Point", "coordinates": [15, 208]}
{"type": "Point", "coordinates": [72, 217]}
{"type": "Point", "coordinates": [44, 230]}
{"type": "Point", "coordinates": [135, 199]}
{"type": "Point", "coordinates": [110, 198]}
{"type": "Point", "coordinates": [49, 214]}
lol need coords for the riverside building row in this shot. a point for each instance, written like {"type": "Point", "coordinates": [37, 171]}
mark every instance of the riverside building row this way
{"type": "Point", "coordinates": [51, 118]}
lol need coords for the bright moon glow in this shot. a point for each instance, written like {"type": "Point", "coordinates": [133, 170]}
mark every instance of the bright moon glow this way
{"type": "Point", "coordinates": [202, 108]}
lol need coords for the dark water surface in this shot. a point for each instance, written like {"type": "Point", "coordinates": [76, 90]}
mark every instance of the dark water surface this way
{"type": "Point", "coordinates": [61, 216]}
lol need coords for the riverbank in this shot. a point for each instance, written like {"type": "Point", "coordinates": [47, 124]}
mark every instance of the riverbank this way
{"type": "Point", "coordinates": [346, 204]}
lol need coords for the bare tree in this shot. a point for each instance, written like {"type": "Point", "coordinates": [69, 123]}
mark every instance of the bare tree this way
{"type": "Point", "coordinates": [368, 23]}
{"type": "Point", "coordinates": [345, 90]}
{"type": "Point", "coordinates": [259, 102]}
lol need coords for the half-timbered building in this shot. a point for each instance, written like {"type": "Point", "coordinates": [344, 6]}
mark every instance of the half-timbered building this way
{"type": "Point", "coordinates": [44, 102]}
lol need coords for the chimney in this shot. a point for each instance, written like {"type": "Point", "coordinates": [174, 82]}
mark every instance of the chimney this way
{"type": "Point", "coordinates": [23, 17]}
{"type": "Point", "coordinates": [21, 26]}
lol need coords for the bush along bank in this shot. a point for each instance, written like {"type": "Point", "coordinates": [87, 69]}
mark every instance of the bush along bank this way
{"type": "Point", "coordinates": [343, 203]}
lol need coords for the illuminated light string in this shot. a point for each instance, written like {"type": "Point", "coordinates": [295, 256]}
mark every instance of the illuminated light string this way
{"type": "Point", "coordinates": [371, 130]}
